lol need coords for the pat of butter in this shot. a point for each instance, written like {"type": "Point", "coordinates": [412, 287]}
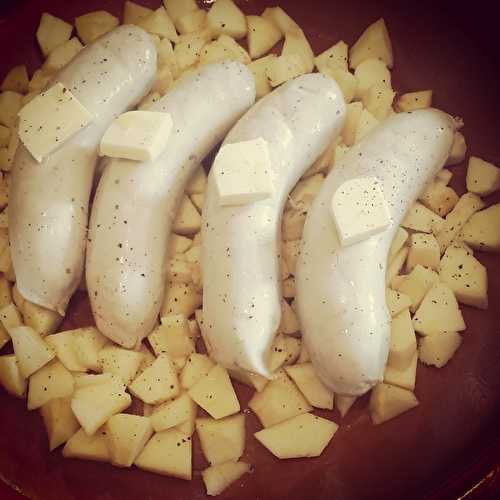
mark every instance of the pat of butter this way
{"type": "Point", "coordinates": [242, 172]}
{"type": "Point", "coordinates": [359, 210]}
{"type": "Point", "coordinates": [137, 135]}
{"type": "Point", "coordinates": [50, 119]}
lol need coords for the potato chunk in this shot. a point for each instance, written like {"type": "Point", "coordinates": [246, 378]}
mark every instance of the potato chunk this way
{"type": "Point", "coordinates": [133, 12]}
{"type": "Point", "coordinates": [437, 350]}
{"type": "Point", "coordinates": [197, 366]}
{"type": "Point", "coordinates": [403, 341]}
{"type": "Point", "coordinates": [424, 251]}
{"type": "Point", "coordinates": [188, 220]}
{"type": "Point", "coordinates": [310, 385]}
{"type": "Point", "coordinates": [417, 284]}
{"type": "Point", "coordinates": [483, 178]}
{"type": "Point", "coordinates": [16, 80]}
{"type": "Point", "coordinates": [411, 101]}
{"type": "Point", "coordinates": [121, 362]}
{"type": "Point", "coordinates": [11, 378]}
{"type": "Point", "coordinates": [173, 337]}
{"type": "Point", "coordinates": [159, 23]}
{"type": "Point", "coordinates": [173, 413]}
{"type": "Point", "coordinates": [52, 32]}
{"type": "Point", "coordinates": [420, 218]}
{"type": "Point", "coordinates": [59, 420]}
{"type": "Point", "coordinates": [218, 477]}
{"type": "Point", "coordinates": [95, 24]}
{"type": "Point", "coordinates": [402, 378]}
{"type": "Point", "coordinates": [262, 36]}
{"type": "Point", "coordinates": [259, 68]}
{"type": "Point", "coordinates": [388, 401]}
{"type": "Point", "coordinates": [302, 436]}
{"type": "Point", "coordinates": [224, 17]}
{"type": "Point", "coordinates": [396, 301]}
{"type": "Point", "coordinates": [42, 320]}
{"type": "Point", "coordinates": [86, 447]}
{"type": "Point", "coordinates": [439, 198]}
{"type": "Point", "coordinates": [482, 231]}
{"type": "Point", "coordinates": [336, 55]}
{"type": "Point", "coordinates": [373, 42]}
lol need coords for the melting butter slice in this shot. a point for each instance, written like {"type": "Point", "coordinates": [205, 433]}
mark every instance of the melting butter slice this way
{"type": "Point", "coordinates": [137, 135]}
{"type": "Point", "coordinates": [242, 172]}
{"type": "Point", "coordinates": [359, 210]}
{"type": "Point", "coordinates": [50, 119]}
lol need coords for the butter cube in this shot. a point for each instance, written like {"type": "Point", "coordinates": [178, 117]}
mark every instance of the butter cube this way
{"type": "Point", "coordinates": [359, 210]}
{"type": "Point", "coordinates": [137, 135]}
{"type": "Point", "coordinates": [50, 119]}
{"type": "Point", "coordinates": [242, 173]}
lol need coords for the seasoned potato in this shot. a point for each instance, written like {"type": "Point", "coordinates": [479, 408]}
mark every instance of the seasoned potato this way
{"type": "Point", "coordinates": [218, 477]}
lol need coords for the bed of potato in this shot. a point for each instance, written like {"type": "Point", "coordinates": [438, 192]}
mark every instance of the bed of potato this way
{"type": "Point", "coordinates": [82, 383]}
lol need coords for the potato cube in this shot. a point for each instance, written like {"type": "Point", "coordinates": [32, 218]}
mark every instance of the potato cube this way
{"type": "Point", "coordinates": [345, 80]}
{"type": "Point", "coordinates": [344, 403]}
{"type": "Point", "coordinates": [173, 337]}
{"type": "Point", "coordinates": [440, 198]}
{"type": "Point", "coordinates": [52, 381]}
{"type": "Point", "coordinates": [253, 380]}
{"type": "Point", "coordinates": [396, 301]}
{"type": "Point", "coordinates": [438, 312]}
{"type": "Point", "coordinates": [163, 80]}
{"type": "Point", "coordinates": [197, 366]}
{"type": "Point", "coordinates": [133, 12]}
{"type": "Point", "coordinates": [86, 447]}
{"type": "Point", "coordinates": [302, 436]}
{"type": "Point", "coordinates": [88, 342]}
{"type": "Point", "coordinates": [121, 362]}
{"type": "Point", "coordinates": [60, 423]}
{"type": "Point", "coordinates": [373, 42]}
{"type": "Point", "coordinates": [437, 350]}
{"type": "Point", "coordinates": [424, 250]}
{"type": "Point", "coordinates": [38, 81]}
{"type": "Point", "coordinates": [43, 321]}
{"type": "Point", "coordinates": [215, 393]}
{"type": "Point", "coordinates": [166, 56]}
{"type": "Point", "coordinates": [458, 150]}
{"type": "Point", "coordinates": [157, 383]}
{"type": "Point", "coordinates": [403, 341]}
{"type": "Point", "coordinates": [11, 378]}
{"type": "Point", "coordinates": [417, 284]}
{"type": "Point", "coordinates": [16, 80]}
{"type": "Point", "coordinates": [262, 36]}
{"type": "Point", "coordinates": [95, 24]}
{"type": "Point", "coordinates": [402, 378]}
{"type": "Point", "coordinates": [218, 477]}
{"type": "Point", "coordinates": [367, 122]}
{"type": "Point", "coordinates": [64, 346]}
{"type": "Point", "coordinates": [167, 453]}
{"type": "Point", "coordinates": [353, 115]}
{"type": "Point", "coordinates": [259, 68]}
{"type": "Point", "coordinates": [293, 348]}
{"type": "Point", "coordinates": [388, 401]}
{"type": "Point", "coordinates": [398, 242]}
{"type": "Point", "coordinates": [281, 19]}
{"type": "Point", "coordinates": [52, 32]}
{"type": "Point", "coordinates": [444, 176]}
{"type": "Point", "coordinates": [180, 298]}
{"type": "Point", "coordinates": [10, 104]}
{"type": "Point", "coordinates": [159, 23]}
{"type": "Point", "coordinates": [178, 8]}
{"type": "Point", "coordinates": [284, 68]}
{"type": "Point", "coordinates": [173, 413]}
{"type": "Point", "coordinates": [10, 316]}
{"type": "Point", "coordinates": [483, 178]}
{"type": "Point", "coordinates": [296, 43]}
{"type": "Point", "coordinates": [411, 101]}
{"type": "Point", "coordinates": [378, 100]}
{"type": "Point", "coordinates": [280, 400]}
{"type": "Point", "coordinates": [223, 49]}
{"type": "Point", "coordinates": [371, 72]}
{"type": "Point", "coordinates": [188, 49]}
{"type": "Point", "coordinates": [289, 322]}
{"type": "Point", "coordinates": [482, 231]}
{"type": "Point", "coordinates": [62, 55]}
{"type": "Point", "coordinates": [310, 385]}
{"type": "Point", "coordinates": [192, 21]}
{"type": "Point", "coordinates": [224, 17]}
{"type": "Point", "coordinates": [334, 56]}
{"type": "Point", "coordinates": [420, 218]}
{"type": "Point", "coordinates": [465, 275]}
{"type": "Point", "coordinates": [396, 263]}
{"type": "Point", "coordinates": [126, 436]}
{"type": "Point", "coordinates": [188, 220]}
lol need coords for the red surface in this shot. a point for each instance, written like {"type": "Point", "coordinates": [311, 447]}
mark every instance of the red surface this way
{"type": "Point", "coordinates": [449, 446]}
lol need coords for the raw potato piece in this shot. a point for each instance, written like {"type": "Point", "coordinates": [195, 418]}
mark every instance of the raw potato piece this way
{"type": "Point", "coordinates": [483, 178]}
{"type": "Point", "coordinates": [224, 49]}
{"type": "Point", "coordinates": [388, 401]}
{"type": "Point", "coordinates": [395, 266]}
{"type": "Point", "coordinates": [412, 101]}
{"type": "Point", "coordinates": [366, 123]}
{"type": "Point", "coordinates": [296, 44]}
{"type": "Point", "coordinates": [437, 350]}
{"type": "Point", "coordinates": [16, 80]}
{"type": "Point", "coordinates": [52, 32]}
{"type": "Point", "coordinates": [417, 284]}
{"type": "Point", "coordinates": [310, 385]}
{"type": "Point", "coordinates": [10, 104]}
{"type": "Point", "coordinates": [43, 321]}
{"type": "Point", "coordinates": [158, 23]}
{"type": "Point", "coordinates": [439, 197]}
{"type": "Point", "coordinates": [402, 378]}
{"type": "Point", "coordinates": [121, 362]}
{"type": "Point", "coordinates": [466, 276]}
{"type": "Point", "coordinates": [173, 413]}
{"type": "Point", "coordinates": [482, 231]}
{"type": "Point", "coordinates": [87, 379]}
{"type": "Point", "coordinates": [126, 437]}
{"type": "Point", "coordinates": [11, 378]}
{"type": "Point", "coordinates": [197, 366]}
{"type": "Point", "coordinates": [424, 250]}
{"type": "Point", "coordinates": [224, 17]}
{"type": "Point", "coordinates": [373, 42]}
{"type": "Point", "coordinates": [157, 383]}
{"type": "Point", "coordinates": [188, 220]}
{"type": "Point", "coordinates": [259, 69]}
{"type": "Point", "coordinates": [371, 72]}
{"type": "Point", "coordinates": [179, 8]}
{"type": "Point", "coordinates": [95, 24]}
{"type": "Point", "coordinates": [87, 344]}
{"type": "Point", "coordinates": [253, 380]}
{"type": "Point", "coordinates": [62, 55]}
{"type": "Point", "coordinates": [438, 312]}
{"type": "Point", "coordinates": [378, 100]}
{"type": "Point", "coordinates": [345, 80]}
{"type": "Point", "coordinates": [50, 382]}
{"type": "Point", "coordinates": [172, 337]}
{"type": "Point", "coordinates": [458, 150]}
{"type": "Point", "coordinates": [167, 453]}
{"type": "Point", "coordinates": [10, 316]}
{"type": "Point", "coordinates": [218, 477]}
{"type": "Point", "coordinates": [221, 440]}
{"type": "Point", "coordinates": [420, 218]}
{"type": "Point", "coordinates": [396, 301]}
{"type": "Point", "coordinates": [31, 351]}
{"type": "Point", "coordinates": [59, 421]}
{"type": "Point", "coordinates": [334, 56]}
{"type": "Point", "coordinates": [302, 436]}
{"type": "Point", "coordinates": [403, 341]}
{"type": "Point", "coordinates": [284, 68]}
{"type": "Point", "coordinates": [187, 50]}
{"type": "Point", "coordinates": [215, 393]}
{"type": "Point", "coordinates": [280, 400]}
{"type": "Point", "coordinates": [289, 322]}
{"type": "Point", "coordinates": [281, 19]}
{"type": "Point", "coordinates": [133, 12]}
{"type": "Point", "coordinates": [192, 21]}
{"type": "Point", "coordinates": [262, 36]}
{"type": "Point", "coordinates": [86, 447]}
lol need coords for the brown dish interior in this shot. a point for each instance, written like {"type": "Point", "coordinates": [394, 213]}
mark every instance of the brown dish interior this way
{"type": "Point", "coordinates": [442, 449]}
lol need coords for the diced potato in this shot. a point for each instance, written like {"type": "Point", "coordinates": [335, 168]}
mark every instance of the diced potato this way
{"type": "Point", "coordinates": [482, 230]}
{"type": "Point", "coordinates": [215, 393]}
{"type": "Point", "coordinates": [280, 400]}
{"type": "Point", "coordinates": [181, 298]}
{"type": "Point", "coordinates": [133, 12]}
{"type": "Point", "coordinates": [403, 341]}
{"type": "Point", "coordinates": [353, 114]}
{"type": "Point", "coordinates": [345, 80]}
{"type": "Point", "coordinates": [192, 21]}
{"type": "Point", "coordinates": [179, 8]}
{"type": "Point", "coordinates": [411, 101]}
{"type": "Point", "coordinates": [444, 176]}
{"type": "Point", "coordinates": [440, 198]}
{"type": "Point", "coordinates": [424, 250]}
{"type": "Point", "coordinates": [197, 366]}
{"type": "Point", "coordinates": [310, 385]}
{"type": "Point", "coordinates": [11, 378]}
{"type": "Point", "coordinates": [291, 252]}
{"type": "Point", "coordinates": [305, 190]}
{"type": "Point", "coordinates": [10, 104]}
{"type": "Point", "coordinates": [64, 346]}
{"type": "Point", "coordinates": [395, 265]}
{"type": "Point", "coordinates": [420, 218]}
{"type": "Point", "coordinates": [224, 49]}
{"type": "Point", "coordinates": [188, 49]}
{"type": "Point", "coordinates": [87, 379]}
{"type": "Point", "coordinates": [402, 378]}
{"type": "Point", "coordinates": [95, 24]}
{"type": "Point", "coordinates": [173, 413]}
{"type": "Point", "coordinates": [398, 242]}
{"type": "Point", "coordinates": [159, 23]}
{"type": "Point", "coordinates": [262, 36]}
{"type": "Point", "coordinates": [458, 150]}
{"type": "Point", "coordinates": [44, 321]}
{"type": "Point", "coordinates": [437, 350]}
{"type": "Point", "coordinates": [344, 403]}
{"type": "Point", "coordinates": [371, 72]}
{"type": "Point", "coordinates": [397, 302]}
{"type": "Point", "coordinates": [158, 383]}
{"type": "Point", "coordinates": [93, 405]}
{"type": "Point", "coordinates": [302, 436]}
{"type": "Point", "coordinates": [126, 436]}
{"type": "Point", "coordinates": [178, 270]}
{"type": "Point", "coordinates": [86, 447]}
{"type": "Point", "coordinates": [59, 421]}
{"type": "Point", "coordinates": [465, 275]}
{"type": "Point", "coordinates": [483, 178]}
{"type": "Point", "coordinates": [334, 56]}
{"type": "Point", "coordinates": [163, 80]}
{"type": "Point", "coordinates": [417, 284]}
{"type": "Point", "coordinates": [121, 362]}
{"type": "Point", "coordinates": [52, 32]}
{"type": "Point", "coordinates": [87, 344]}
{"type": "Point", "coordinates": [62, 55]}
{"type": "Point", "coordinates": [10, 316]}
{"type": "Point", "coordinates": [367, 122]}
{"type": "Point", "coordinates": [224, 17]}
{"type": "Point", "coordinates": [296, 43]}
{"type": "Point", "coordinates": [373, 42]}
{"type": "Point", "coordinates": [259, 68]}
{"type": "Point", "coordinates": [218, 477]}
{"type": "Point", "coordinates": [281, 19]}
{"type": "Point", "coordinates": [16, 80]}
{"type": "Point", "coordinates": [388, 401]}
{"type": "Point", "coordinates": [188, 220]}
{"type": "Point", "coordinates": [284, 68]}
{"type": "Point", "coordinates": [30, 349]}
{"type": "Point", "coordinates": [293, 348]}
{"type": "Point", "coordinates": [221, 440]}
{"type": "Point", "coordinates": [38, 81]}
{"type": "Point", "coordinates": [253, 380]}
{"type": "Point", "coordinates": [289, 322]}
{"type": "Point", "coordinates": [438, 312]}
{"type": "Point", "coordinates": [168, 453]}
{"type": "Point", "coordinates": [378, 100]}
{"type": "Point", "coordinates": [173, 337]}
{"type": "Point", "coordinates": [278, 353]}
{"type": "Point", "coordinates": [467, 205]}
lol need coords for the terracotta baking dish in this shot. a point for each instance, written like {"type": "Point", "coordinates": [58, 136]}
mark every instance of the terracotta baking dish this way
{"type": "Point", "coordinates": [449, 447]}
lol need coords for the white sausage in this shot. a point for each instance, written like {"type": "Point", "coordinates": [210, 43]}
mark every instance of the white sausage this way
{"type": "Point", "coordinates": [136, 203]}
{"type": "Point", "coordinates": [49, 201]}
{"type": "Point", "coordinates": [240, 244]}
{"type": "Point", "coordinates": [341, 290]}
